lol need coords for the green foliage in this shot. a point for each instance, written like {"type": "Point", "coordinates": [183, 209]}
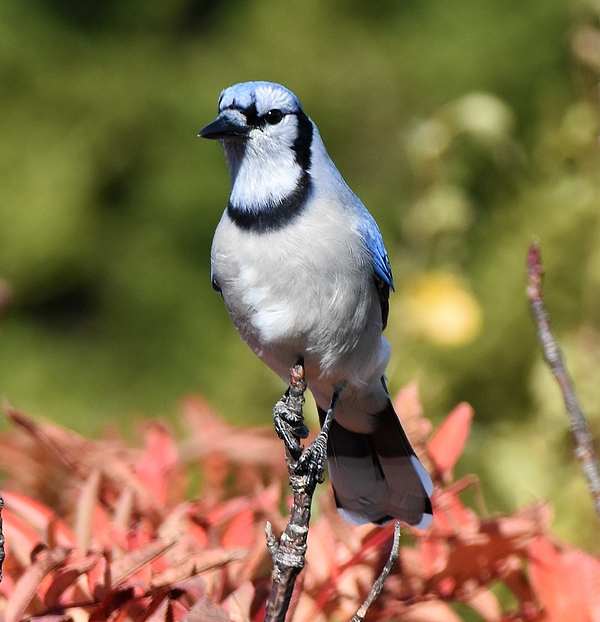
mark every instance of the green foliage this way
{"type": "Point", "coordinates": [466, 127]}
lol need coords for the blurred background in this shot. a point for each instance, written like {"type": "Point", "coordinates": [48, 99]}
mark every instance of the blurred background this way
{"type": "Point", "coordinates": [468, 128]}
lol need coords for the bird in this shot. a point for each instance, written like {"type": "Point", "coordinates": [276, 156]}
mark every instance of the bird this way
{"type": "Point", "coordinates": [304, 275]}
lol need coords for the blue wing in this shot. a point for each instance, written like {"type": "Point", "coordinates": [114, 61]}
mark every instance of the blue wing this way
{"type": "Point", "coordinates": [370, 233]}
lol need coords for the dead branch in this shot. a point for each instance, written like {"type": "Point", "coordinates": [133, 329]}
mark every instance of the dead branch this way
{"type": "Point", "coordinates": [359, 616]}
{"type": "Point", "coordinates": [584, 448]}
{"type": "Point", "coordinates": [305, 469]}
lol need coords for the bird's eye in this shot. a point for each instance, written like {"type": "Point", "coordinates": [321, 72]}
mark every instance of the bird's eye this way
{"type": "Point", "coordinates": [273, 117]}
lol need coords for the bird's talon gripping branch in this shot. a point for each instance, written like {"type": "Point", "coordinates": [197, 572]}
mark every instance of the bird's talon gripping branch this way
{"type": "Point", "coordinates": [287, 414]}
{"type": "Point", "coordinates": [305, 468]}
{"type": "Point", "coordinates": [284, 429]}
{"type": "Point", "coordinates": [312, 461]}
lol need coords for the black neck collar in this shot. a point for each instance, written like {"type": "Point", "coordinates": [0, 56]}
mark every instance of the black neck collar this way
{"type": "Point", "coordinates": [276, 215]}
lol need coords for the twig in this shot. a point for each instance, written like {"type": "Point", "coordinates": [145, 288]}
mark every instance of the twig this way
{"type": "Point", "coordinates": [305, 468]}
{"type": "Point", "coordinates": [584, 448]}
{"type": "Point", "coordinates": [359, 616]}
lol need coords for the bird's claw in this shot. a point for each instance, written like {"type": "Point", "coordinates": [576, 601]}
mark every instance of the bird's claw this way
{"type": "Point", "coordinates": [312, 461]}
{"type": "Point", "coordinates": [287, 414]}
{"type": "Point", "coordinates": [314, 458]}
{"type": "Point", "coordinates": [289, 425]}
{"type": "Point", "coordinates": [286, 432]}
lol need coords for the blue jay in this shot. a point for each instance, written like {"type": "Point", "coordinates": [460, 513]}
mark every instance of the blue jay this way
{"type": "Point", "coordinates": [304, 274]}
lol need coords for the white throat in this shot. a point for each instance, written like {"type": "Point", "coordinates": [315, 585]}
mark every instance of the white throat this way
{"type": "Point", "coordinates": [263, 174]}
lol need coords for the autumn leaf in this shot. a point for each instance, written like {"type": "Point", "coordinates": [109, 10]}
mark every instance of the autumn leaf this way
{"type": "Point", "coordinates": [159, 557]}
{"type": "Point", "coordinates": [67, 575]}
{"type": "Point", "coordinates": [27, 586]}
{"type": "Point", "coordinates": [566, 581]}
{"type": "Point", "coordinates": [40, 518]}
{"type": "Point", "coordinates": [84, 456]}
{"type": "Point", "coordinates": [158, 460]}
{"type": "Point", "coordinates": [409, 409]}
{"type": "Point", "coordinates": [240, 532]}
{"type": "Point", "coordinates": [448, 441]}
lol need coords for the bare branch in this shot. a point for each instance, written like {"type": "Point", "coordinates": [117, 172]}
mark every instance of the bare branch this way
{"type": "Point", "coordinates": [305, 467]}
{"type": "Point", "coordinates": [584, 448]}
{"type": "Point", "coordinates": [359, 616]}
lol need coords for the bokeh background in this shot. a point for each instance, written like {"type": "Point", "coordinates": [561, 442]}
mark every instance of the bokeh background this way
{"type": "Point", "coordinates": [467, 127]}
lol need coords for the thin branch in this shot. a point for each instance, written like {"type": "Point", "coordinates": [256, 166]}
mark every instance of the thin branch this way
{"type": "Point", "coordinates": [584, 448]}
{"type": "Point", "coordinates": [305, 467]}
{"type": "Point", "coordinates": [359, 616]}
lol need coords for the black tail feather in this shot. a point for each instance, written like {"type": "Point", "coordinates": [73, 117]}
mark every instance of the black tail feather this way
{"type": "Point", "coordinates": [377, 477]}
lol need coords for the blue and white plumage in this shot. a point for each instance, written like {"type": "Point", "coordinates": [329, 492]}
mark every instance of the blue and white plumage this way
{"type": "Point", "coordinates": [303, 271]}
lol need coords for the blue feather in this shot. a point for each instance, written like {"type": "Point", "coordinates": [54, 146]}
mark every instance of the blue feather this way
{"type": "Point", "coordinates": [370, 233]}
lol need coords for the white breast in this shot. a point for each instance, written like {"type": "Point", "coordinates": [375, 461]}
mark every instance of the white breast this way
{"type": "Point", "coordinates": [306, 290]}
{"type": "Point", "coordinates": [272, 317]}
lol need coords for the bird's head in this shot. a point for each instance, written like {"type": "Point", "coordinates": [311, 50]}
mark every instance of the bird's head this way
{"type": "Point", "coordinates": [267, 139]}
{"type": "Point", "coordinates": [251, 109]}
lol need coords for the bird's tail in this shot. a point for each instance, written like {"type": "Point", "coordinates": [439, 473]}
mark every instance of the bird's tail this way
{"type": "Point", "coordinates": [377, 477]}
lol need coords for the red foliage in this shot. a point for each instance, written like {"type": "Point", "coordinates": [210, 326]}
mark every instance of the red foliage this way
{"type": "Point", "coordinates": [111, 535]}
{"type": "Point", "coordinates": [448, 441]}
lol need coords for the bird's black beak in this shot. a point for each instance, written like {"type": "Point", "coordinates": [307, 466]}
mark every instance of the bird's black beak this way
{"type": "Point", "coordinates": [223, 127]}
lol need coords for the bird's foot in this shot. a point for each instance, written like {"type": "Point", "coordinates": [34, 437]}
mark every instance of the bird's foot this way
{"type": "Point", "coordinates": [312, 461]}
{"type": "Point", "coordinates": [287, 414]}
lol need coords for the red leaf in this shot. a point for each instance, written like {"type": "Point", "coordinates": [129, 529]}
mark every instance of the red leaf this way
{"type": "Point", "coordinates": [525, 524]}
{"type": "Point", "coordinates": [434, 551]}
{"type": "Point", "coordinates": [240, 532]}
{"type": "Point", "coordinates": [197, 534]}
{"type": "Point", "coordinates": [20, 537]}
{"type": "Point", "coordinates": [450, 515]}
{"type": "Point", "coordinates": [210, 435]}
{"type": "Point", "coordinates": [320, 556]}
{"type": "Point", "coordinates": [131, 562]}
{"type": "Point", "coordinates": [157, 461]}
{"type": "Point", "coordinates": [116, 599]}
{"type": "Point", "coordinates": [409, 409]}
{"type": "Point", "coordinates": [66, 576]}
{"type": "Point", "coordinates": [448, 441]}
{"type": "Point", "coordinates": [196, 564]}
{"type": "Point", "coordinates": [87, 502]}
{"type": "Point", "coordinates": [588, 569]}
{"type": "Point", "coordinates": [83, 456]}
{"type": "Point", "coordinates": [227, 510]}
{"type": "Point", "coordinates": [27, 586]}
{"type": "Point", "coordinates": [566, 581]}
{"type": "Point", "coordinates": [40, 517]}
{"type": "Point", "coordinates": [159, 610]}
{"type": "Point", "coordinates": [98, 577]}
{"type": "Point", "coordinates": [513, 576]}
{"type": "Point", "coordinates": [180, 521]}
